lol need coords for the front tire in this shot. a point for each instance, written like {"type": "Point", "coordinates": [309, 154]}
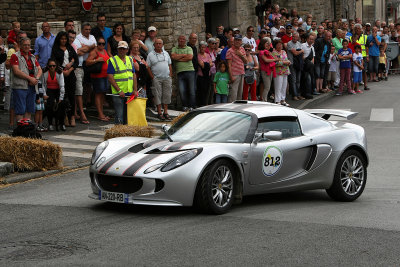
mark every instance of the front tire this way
{"type": "Point", "coordinates": [350, 177]}
{"type": "Point", "coordinates": [215, 190]}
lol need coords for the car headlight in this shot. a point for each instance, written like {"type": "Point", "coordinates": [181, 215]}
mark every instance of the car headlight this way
{"type": "Point", "coordinates": [181, 160]}
{"type": "Point", "coordinates": [99, 150]}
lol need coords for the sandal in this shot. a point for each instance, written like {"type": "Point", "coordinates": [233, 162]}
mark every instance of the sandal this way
{"type": "Point", "coordinates": [85, 122]}
{"type": "Point", "coordinates": [104, 119]}
{"type": "Point", "coordinates": [167, 117]}
{"type": "Point", "coordinates": [160, 117]}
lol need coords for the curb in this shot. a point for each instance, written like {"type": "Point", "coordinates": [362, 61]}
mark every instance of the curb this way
{"type": "Point", "coordinates": [23, 177]}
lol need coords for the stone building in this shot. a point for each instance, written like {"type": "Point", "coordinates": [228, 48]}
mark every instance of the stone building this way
{"type": "Point", "coordinates": [172, 18]}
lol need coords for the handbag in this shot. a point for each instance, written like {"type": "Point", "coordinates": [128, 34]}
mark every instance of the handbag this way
{"type": "Point", "coordinates": [94, 68]}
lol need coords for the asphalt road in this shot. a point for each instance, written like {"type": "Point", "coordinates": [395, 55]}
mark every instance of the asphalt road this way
{"type": "Point", "coordinates": [51, 221]}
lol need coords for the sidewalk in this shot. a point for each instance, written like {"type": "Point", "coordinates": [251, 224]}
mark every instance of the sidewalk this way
{"type": "Point", "coordinates": [79, 142]}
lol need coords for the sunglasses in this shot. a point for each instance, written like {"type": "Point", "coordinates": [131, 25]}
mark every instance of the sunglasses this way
{"type": "Point", "coordinates": [52, 66]}
{"type": "Point", "coordinates": [214, 43]}
{"type": "Point", "coordinates": [250, 31]}
{"type": "Point", "coordinates": [101, 43]}
{"type": "Point", "coordinates": [247, 49]}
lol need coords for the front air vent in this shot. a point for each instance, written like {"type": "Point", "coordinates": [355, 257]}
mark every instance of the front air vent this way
{"type": "Point", "coordinates": [136, 148]}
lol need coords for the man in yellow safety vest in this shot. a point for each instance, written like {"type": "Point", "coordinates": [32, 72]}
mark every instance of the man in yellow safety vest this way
{"type": "Point", "coordinates": [364, 50]}
{"type": "Point", "coordinates": [121, 75]}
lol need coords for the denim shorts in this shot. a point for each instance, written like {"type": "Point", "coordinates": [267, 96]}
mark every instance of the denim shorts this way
{"type": "Point", "coordinates": [357, 77]}
{"type": "Point", "coordinates": [24, 100]}
{"type": "Point", "coordinates": [100, 85]}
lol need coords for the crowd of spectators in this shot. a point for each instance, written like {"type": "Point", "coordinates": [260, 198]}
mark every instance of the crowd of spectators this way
{"type": "Point", "coordinates": [285, 55]}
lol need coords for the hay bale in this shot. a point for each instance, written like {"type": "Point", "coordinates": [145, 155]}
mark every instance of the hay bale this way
{"type": "Point", "coordinates": [129, 130]}
{"type": "Point", "coordinates": [29, 154]}
{"type": "Point", "coordinates": [177, 118]}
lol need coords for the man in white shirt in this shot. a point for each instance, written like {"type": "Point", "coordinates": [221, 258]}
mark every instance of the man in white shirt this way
{"type": "Point", "coordinates": [160, 71]}
{"type": "Point", "coordinates": [308, 69]}
{"type": "Point", "coordinates": [248, 39]}
{"type": "Point", "coordinates": [275, 30]}
{"type": "Point", "coordinates": [85, 43]}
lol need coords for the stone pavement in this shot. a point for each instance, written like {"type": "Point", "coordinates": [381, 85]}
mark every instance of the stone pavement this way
{"type": "Point", "coordinates": [79, 142]}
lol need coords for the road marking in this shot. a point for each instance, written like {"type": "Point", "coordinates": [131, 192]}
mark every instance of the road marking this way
{"type": "Point", "coordinates": [92, 132]}
{"type": "Point", "coordinates": [381, 114]}
{"type": "Point", "coordinates": [79, 138]}
{"type": "Point", "coordinates": [75, 146]}
{"type": "Point", "coordinates": [85, 155]}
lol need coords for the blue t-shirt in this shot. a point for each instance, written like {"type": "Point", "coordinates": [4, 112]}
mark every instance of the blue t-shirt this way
{"type": "Point", "coordinates": [107, 33]}
{"type": "Point", "coordinates": [345, 63]}
{"type": "Point", "coordinates": [374, 49]}
{"type": "Point", "coordinates": [223, 53]}
{"type": "Point", "coordinates": [323, 54]}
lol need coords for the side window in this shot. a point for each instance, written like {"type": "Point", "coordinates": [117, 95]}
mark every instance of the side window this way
{"type": "Point", "coordinates": [289, 126]}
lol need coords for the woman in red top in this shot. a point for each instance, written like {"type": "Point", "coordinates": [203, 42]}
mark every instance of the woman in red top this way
{"type": "Point", "coordinates": [267, 67]}
{"type": "Point", "coordinates": [100, 81]}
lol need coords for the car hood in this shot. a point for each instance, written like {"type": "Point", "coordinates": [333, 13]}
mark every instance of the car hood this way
{"type": "Point", "coordinates": [133, 158]}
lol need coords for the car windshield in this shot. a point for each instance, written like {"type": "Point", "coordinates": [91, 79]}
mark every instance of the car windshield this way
{"type": "Point", "coordinates": [215, 126]}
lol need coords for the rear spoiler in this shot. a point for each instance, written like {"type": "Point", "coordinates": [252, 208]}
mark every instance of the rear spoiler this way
{"type": "Point", "coordinates": [327, 113]}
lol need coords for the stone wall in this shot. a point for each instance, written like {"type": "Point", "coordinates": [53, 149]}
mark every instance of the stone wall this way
{"type": "Point", "coordinates": [30, 12]}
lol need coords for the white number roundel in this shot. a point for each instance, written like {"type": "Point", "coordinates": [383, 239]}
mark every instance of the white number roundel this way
{"type": "Point", "coordinates": [272, 160]}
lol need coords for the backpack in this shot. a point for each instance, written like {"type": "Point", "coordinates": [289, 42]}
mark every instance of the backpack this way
{"type": "Point", "coordinates": [26, 128]}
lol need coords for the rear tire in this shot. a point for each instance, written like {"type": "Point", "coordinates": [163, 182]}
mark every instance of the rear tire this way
{"type": "Point", "coordinates": [350, 177]}
{"type": "Point", "coordinates": [215, 190]}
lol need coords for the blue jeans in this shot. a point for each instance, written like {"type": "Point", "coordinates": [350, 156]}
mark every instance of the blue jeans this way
{"type": "Point", "coordinates": [186, 83]}
{"type": "Point", "coordinates": [294, 81]}
{"type": "Point", "coordinates": [120, 109]}
{"type": "Point", "coordinates": [24, 100]}
{"type": "Point", "coordinates": [221, 98]}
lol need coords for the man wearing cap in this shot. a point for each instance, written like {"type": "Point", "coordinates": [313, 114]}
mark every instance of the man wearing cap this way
{"type": "Point", "coordinates": [121, 75]}
{"type": "Point", "coordinates": [288, 36]}
{"type": "Point", "coordinates": [183, 55]}
{"type": "Point", "coordinates": [249, 39]}
{"type": "Point", "coordinates": [236, 57]}
{"type": "Point", "coordinates": [236, 31]}
{"type": "Point", "coordinates": [152, 36]}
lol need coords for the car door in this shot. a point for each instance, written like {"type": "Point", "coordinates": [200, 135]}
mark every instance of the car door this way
{"type": "Point", "coordinates": [274, 161]}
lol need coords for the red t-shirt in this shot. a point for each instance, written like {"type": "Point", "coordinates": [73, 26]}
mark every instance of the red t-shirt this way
{"type": "Point", "coordinates": [286, 39]}
{"type": "Point", "coordinates": [12, 37]}
{"type": "Point", "coordinates": [351, 46]}
{"type": "Point", "coordinates": [15, 62]}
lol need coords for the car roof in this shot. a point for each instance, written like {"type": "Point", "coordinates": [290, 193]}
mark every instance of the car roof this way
{"type": "Point", "coordinates": [258, 108]}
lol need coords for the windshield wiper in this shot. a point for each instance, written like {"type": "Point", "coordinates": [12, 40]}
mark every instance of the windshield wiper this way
{"type": "Point", "coordinates": [165, 129]}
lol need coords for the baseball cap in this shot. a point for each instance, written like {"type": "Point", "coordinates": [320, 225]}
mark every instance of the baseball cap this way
{"type": "Point", "coordinates": [238, 37]}
{"type": "Point", "coordinates": [263, 31]}
{"type": "Point", "coordinates": [236, 29]}
{"type": "Point", "coordinates": [289, 26]}
{"type": "Point", "coordinates": [123, 44]}
{"type": "Point", "coordinates": [152, 28]}
{"type": "Point", "coordinates": [367, 24]}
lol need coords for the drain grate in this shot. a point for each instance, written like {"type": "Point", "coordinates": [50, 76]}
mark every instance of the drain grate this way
{"type": "Point", "coordinates": [39, 250]}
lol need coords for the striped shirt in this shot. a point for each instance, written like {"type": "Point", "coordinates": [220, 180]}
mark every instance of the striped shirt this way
{"type": "Point", "coordinates": [237, 63]}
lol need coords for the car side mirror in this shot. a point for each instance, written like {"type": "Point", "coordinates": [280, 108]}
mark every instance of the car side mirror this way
{"type": "Point", "coordinates": [271, 135]}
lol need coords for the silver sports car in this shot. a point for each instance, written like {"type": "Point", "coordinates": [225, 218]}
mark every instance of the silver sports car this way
{"type": "Point", "coordinates": [215, 155]}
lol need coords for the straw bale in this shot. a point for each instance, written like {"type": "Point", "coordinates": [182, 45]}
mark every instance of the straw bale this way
{"type": "Point", "coordinates": [129, 130]}
{"type": "Point", "coordinates": [177, 118]}
{"type": "Point", "coordinates": [29, 154]}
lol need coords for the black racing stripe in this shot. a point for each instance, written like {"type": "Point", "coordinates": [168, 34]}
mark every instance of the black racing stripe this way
{"type": "Point", "coordinates": [151, 142]}
{"type": "Point", "coordinates": [138, 164]}
{"type": "Point", "coordinates": [176, 146]}
{"type": "Point", "coordinates": [112, 161]}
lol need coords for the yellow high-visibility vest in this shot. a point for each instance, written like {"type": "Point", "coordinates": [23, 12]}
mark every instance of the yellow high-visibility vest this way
{"type": "Point", "coordinates": [363, 41]}
{"type": "Point", "coordinates": [123, 75]}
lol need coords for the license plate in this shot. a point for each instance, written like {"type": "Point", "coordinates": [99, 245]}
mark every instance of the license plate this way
{"type": "Point", "coordinates": [112, 196]}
